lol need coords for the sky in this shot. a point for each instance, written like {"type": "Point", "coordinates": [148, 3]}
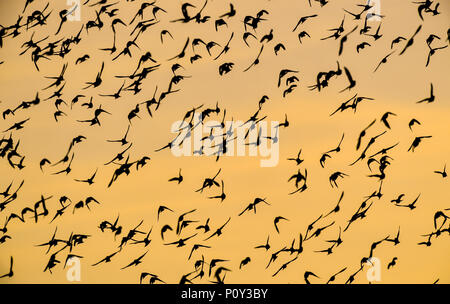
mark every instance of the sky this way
{"type": "Point", "coordinates": [395, 87]}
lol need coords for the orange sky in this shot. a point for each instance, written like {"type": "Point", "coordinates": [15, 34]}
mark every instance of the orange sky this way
{"type": "Point", "coordinates": [396, 87]}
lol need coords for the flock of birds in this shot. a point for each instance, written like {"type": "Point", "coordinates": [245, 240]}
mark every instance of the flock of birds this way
{"type": "Point", "coordinates": [43, 46]}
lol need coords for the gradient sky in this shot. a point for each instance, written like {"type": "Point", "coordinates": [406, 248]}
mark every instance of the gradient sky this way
{"type": "Point", "coordinates": [396, 87]}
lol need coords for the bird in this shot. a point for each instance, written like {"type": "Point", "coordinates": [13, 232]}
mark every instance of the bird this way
{"type": "Point", "coordinates": [337, 208]}
{"type": "Point", "coordinates": [392, 263]}
{"type": "Point", "coordinates": [277, 48]}
{"type": "Point", "coordinates": [267, 38]}
{"type": "Point", "coordinates": [307, 275]}
{"type": "Point", "coordinates": [412, 205]}
{"type": "Point", "coordinates": [284, 266]}
{"type": "Point", "coordinates": [82, 59]}
{"type": "Point", "coordinates": [297, 160]}
{"type": "Point", "coordinates": [410, 41]}
{"type": "Point", "coordinates": [164, 229]}
{"type": "Point", "coordinates": [178, 178]}
{"type": "Point", "coordinates": [17, 126]}
{"type": "Point", "coordinates": [397, 40]}
{"type": "Point", "coordinates": [323, 159]}
{"type": "Point", "coordinates": [361, 46]}
{"type": "Point", "coordinates": [10, 274]}
{"type": "Point", "coordinates": [333, 277]}
{"type": "Point", "coordinates": [338, 148]}
{"type": "Point", "coordinates": [43, 162]}
{"type": "Point", "coordinates": [443, 173]}
{"type": "Point", "coordinates": [136, 261]}
{"type": "Point", "coordinates": [225, 68]}
{"type": "Point", "coordinates": [220, 22]}
{"type": "Point", "coordinates": [283, 73]}
{"type": "Point", "coordinates": [343, 40]}
{"type": "Point", "coordinates": [209, 182]}
{"type": "Point", "coordinates": [363, 133]}
{"type": "Point", "coordinates": [277, 220]}
{"type": "Point", "coordinates": [221, 196]}
{"type": "Point", "coordinates": [70, 257]}
{"type": "Point", "coordinates": [98, 80]}
{"type": "Point", "coordinates": [333, 178]}
{"type": "Point", "coordinates": [244, 262]}
{"type": "Point", "coordinates": [395, 240]}
{"type": "Point", "coordinates": [432, 52]}
{"type": "Point", "coordinates": [231, 13]}
{"type": "Point", "coordinates": [431, 98]}
{"type": "Point", "coordinates": [245, 37]}
{"type": "Point", "coordinates": [226, 47]}
{"type": "Point", "coordinates": [384, 119]}
{"type": "Point", "coordinates": [352, 82]}
{"type": "Point", "coordinates": [107, 259]}
{"type": "Point", "coordinates": [218, 232]}
{"type": "Point", "coordinates": [302, 35]}
{"type": "Point", "coordinates": [205, 227]}
{"type": "Point", "coordinates": [289, 90]}
{"type": "Point", "coordinates": [266, 246]}
{"type": "Point", "coordinates": [413, 122]}
{"type": "Point", "coordinates": [256, 61]}
{"type": "Point", "coordinates": [90, 180]}
{"type": "Point", "coordinates": [303, 20]}
{"type": "Point", "coordinates": [416, 142]}
{"type": "Point", "coordinates": [384, 60]}
{"type": "Point", "coordinates": [299, 177]}
{"type": "Point", "coordinates": [431, 38]}
{"type": "Point", "coordinates": [318, 231]}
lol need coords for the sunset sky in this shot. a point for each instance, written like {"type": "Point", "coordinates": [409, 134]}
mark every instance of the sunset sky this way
{"type": "Point", "coordinates": [395, 87]}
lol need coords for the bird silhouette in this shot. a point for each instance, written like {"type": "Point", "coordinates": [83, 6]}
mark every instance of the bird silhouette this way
{"type": "Point", "coordinates": [133, 76]}
{"type": "Point", "coordinates": [431, 98]}
{"type": "Point", "coordinates": [10, 274]}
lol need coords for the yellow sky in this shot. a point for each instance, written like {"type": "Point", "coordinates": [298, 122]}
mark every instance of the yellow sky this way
{"type": "Point", "coordinates": [396, 87]}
